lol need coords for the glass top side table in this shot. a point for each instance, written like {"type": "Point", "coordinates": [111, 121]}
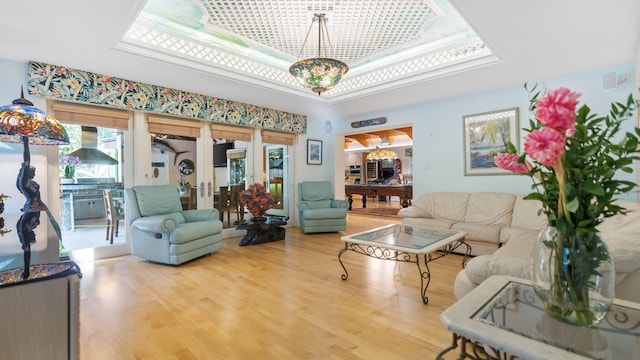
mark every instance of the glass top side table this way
{"type": "Point", "coordinates": [504, 316]}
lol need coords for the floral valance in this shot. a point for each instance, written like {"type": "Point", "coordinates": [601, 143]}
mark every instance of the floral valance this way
{"type": "Point", "coordinates": [76, 85]}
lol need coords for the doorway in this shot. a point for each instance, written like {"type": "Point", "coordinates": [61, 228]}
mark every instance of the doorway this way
{"type": "Point", "coordinates": [276, 165]}
{"type": "Point", "coordinates": [90, 165]}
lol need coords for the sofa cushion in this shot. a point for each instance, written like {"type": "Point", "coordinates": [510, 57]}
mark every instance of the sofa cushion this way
{"type": "Point", "coordinates": [511, 259]}
{"type": "Point", "coordinates": [156, 200]}
{"type": "Point", "coordinates": [318, 204]}
{"type": "Point", "coordinates": [434, 223]}
{"type": "Point", "coordinates": [187, 232]}
{"type": "Point", "coordinates": [527, 214]}
{"type": "Point", "coordinates": [325, 213]}
{"type": "Point", "coordinates": [516, 233]}
{"type": "Point", "coordinates": [316, 190]}
{"type": "Point", "coordinates": [449, 205]}
{"type": "Point", "coordinates": [479, 232]}
{"type": "Point", "coordinates": [490, 208]}
{"type": "Point", "coordinates": [622, 234]}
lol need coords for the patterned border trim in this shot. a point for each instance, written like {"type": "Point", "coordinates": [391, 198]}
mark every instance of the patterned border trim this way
{"type": "Point", "coordinates": [81, 86]}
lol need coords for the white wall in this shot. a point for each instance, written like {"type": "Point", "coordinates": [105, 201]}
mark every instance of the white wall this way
{"type": "Point", "coordinates": [438, 160]}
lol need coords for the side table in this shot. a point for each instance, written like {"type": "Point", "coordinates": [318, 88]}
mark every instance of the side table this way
{"type": "Point", "coordinates": [262, 230]}
{"type": "Point", "coordinates": [503, 319]}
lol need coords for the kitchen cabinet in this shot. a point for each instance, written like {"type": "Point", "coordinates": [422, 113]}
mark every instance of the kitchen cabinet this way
{"type": "Point", "coordinates": [88, 207]}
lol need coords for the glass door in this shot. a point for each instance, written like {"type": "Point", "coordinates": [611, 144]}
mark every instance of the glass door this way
{"type": "Point", "coordinates": [277, 169]}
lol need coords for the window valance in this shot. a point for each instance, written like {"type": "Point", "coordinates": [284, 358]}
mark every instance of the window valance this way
{"type": "Point", "coordinates": [67, 84]}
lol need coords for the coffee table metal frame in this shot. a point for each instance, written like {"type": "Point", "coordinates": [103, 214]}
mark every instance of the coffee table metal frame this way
{"type": "Point", "coordinates": [406, 243]}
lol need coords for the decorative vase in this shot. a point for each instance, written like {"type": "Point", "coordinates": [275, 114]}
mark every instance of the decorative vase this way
{"type": "Point", "coordinates": [183, 190]}
{"type": "Point", "coordinates": [574, 278]}
{"type": "Point", "coordinates": [67, 181]}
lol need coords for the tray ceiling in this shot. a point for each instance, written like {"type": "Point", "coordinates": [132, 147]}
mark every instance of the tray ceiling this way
{"type": "Point", "coordinates": [385, 43]}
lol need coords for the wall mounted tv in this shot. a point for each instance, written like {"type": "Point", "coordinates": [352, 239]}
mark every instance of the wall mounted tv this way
{"type": "Point", "coordinates": [220, 154]}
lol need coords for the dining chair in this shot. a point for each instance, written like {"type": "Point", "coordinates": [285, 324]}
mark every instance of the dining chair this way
{"type": "Point", "coordinates": [227, 203]}
{"type": "Point", "coordinates": [235, 198]}
{"type": "Point", "coordinates": [113, 215]}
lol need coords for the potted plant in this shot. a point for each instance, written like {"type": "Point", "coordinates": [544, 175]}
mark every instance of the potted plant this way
{"type": "Point", "coordinates": [186, 167]}
{"type": "Point", "coordinates": [183, 187]}
{"type": "Point", "coordinates": [68, 164]}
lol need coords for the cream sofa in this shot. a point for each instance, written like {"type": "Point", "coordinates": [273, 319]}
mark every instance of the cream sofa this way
{"type": "Point", "coordinates": [503, 238]}
{"type": "Point", "coordinates": [489, 218]}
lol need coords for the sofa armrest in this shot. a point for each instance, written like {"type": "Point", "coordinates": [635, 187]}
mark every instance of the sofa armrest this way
{"type": "Point", "coordinates": [155, 224]}
{"type": "Point", "coordinates": [200, 215]}
{"type": "Point", "coordinates": [342, 204]}
{"type": "Point", "coordinates": [413, 212]}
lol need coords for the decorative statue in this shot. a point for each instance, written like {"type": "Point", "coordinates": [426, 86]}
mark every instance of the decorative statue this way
{"type": "Point", "coordinates": [26, 226]}
{"type": "Point", "coordinates": [29, 187]}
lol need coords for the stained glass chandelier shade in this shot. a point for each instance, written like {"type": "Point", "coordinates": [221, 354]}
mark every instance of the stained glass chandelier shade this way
{"type": "Point", "coordinates": [382, 154]}
{"type": "Point", "coordinates": [321, 73]}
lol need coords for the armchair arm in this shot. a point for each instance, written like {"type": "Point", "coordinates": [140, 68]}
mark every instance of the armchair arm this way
{"type": "Point", "coordinates": [200, 215]}
{"type": "Point", "coordinates": [342, 204]}
{"type": "Point", "coordinates": [303, 205]}
{"type": "Point", "coordinates": [155, 224]}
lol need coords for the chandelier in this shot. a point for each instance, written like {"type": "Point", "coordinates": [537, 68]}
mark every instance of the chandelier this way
{"type": "Point", "coordinates": [382, 154]}
{"type": "Point", "coordinates": [320, 73]}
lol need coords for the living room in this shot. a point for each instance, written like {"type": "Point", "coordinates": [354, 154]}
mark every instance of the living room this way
{"type": "Point", "coordinates": [435, 110]}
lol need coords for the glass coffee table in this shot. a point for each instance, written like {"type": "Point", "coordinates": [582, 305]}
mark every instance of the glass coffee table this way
{"type": "Point", "coordinates": [503, 319]}
{"type": "Point", "coordinates": [406, 243]}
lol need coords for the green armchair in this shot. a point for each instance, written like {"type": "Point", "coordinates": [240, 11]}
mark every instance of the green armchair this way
{"type": "Point", "coordinates": [162, 232]}
{"type": "Point", "coordinates": [318, 210]}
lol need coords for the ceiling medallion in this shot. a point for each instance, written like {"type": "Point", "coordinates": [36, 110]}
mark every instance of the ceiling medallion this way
{"type": "Point", "coordinates": [321, 73]}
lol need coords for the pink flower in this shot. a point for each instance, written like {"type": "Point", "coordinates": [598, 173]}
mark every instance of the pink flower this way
{"type": "Point", "coordinates": [557, 110]}
{"type": "Point", "coordinates": [510, 162]}
{"type": "Point", "coordinates": [545, 146]}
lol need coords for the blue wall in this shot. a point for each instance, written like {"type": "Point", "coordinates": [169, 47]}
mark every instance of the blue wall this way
{"type": "Point", "coordinates": [438, 160]}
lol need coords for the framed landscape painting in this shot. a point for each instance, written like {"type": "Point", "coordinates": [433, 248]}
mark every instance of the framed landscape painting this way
{"type": "Point", "coordinates": [314, 152]}
{"type": "Point", "coordinates": [486, 135]}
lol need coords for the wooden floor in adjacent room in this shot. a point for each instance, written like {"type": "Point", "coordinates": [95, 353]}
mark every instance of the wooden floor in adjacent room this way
{"type": "Point", "coordinates": [280, 300]}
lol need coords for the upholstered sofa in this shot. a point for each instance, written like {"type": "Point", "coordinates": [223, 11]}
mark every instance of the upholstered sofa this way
{"type": "Point", "coordinates": [620, 232]}
{"type": "Point", "coordinates": [489, 218]}
{"type": "Point", "coordinates": [162, 232]}
{"type": "Point", "coordinates": [318, 210]}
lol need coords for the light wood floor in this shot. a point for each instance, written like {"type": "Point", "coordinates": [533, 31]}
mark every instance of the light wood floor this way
{"type": "Point", "coordinates": [280, 300]}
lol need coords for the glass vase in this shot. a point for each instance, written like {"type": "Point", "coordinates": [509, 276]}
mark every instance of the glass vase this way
{"type": "Point", "coordinates": [573, 275]}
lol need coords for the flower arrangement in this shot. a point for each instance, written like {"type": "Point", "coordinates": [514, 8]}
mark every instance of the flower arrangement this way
{"type": "Point", "coordinates": [69, 164]}
{"type": "Point", "coordinates": [572, 159]}
{"type": "Point", "coordinates": [256, 199]}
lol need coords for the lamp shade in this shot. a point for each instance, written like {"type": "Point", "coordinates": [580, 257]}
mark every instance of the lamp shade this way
{"type": "Point", "coordinates": [382, 154]}
{"type": "Point", "coordinates": [22, 119]}
{"type": "Point", "coordinates": [318, 74]}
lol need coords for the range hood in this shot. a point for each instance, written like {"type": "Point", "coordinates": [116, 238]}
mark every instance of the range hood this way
{"type": "Point", "coordinates": [89, 153]}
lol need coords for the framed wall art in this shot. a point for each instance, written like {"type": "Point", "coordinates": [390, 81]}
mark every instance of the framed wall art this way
{"type": "Point", "coordinates": [486, 135]}
{"type": "Point", "coordinates": [314, 152]}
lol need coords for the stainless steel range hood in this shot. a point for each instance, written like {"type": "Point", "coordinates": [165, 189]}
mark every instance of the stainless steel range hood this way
{"type": "Point", "coordinates": [89, 153]}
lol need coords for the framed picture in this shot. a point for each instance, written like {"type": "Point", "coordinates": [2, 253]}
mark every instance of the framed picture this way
{"type": "Point", "coordinates": [314, 152]}
{"type": "Point", "coordinates": [486, 135]}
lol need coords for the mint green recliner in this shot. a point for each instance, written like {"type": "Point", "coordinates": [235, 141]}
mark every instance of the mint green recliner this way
{"type": "Point", "coordinates": [318, 210]}
{"type": "Point", "coordinates": [162, 232]}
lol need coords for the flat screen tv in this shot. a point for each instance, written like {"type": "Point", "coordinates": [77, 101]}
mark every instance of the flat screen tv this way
{"type": "Point", "coordinates": [220, 154]}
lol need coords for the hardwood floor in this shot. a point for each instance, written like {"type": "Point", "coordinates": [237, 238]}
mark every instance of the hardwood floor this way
{"type": "Point", "coordinates": [280, 300]}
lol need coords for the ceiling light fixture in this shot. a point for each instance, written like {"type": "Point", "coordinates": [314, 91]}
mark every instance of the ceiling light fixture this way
{"type": "Point", "coordinates": [382, 154]}
{"type": "Point", "coordinates": [321, 73]}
